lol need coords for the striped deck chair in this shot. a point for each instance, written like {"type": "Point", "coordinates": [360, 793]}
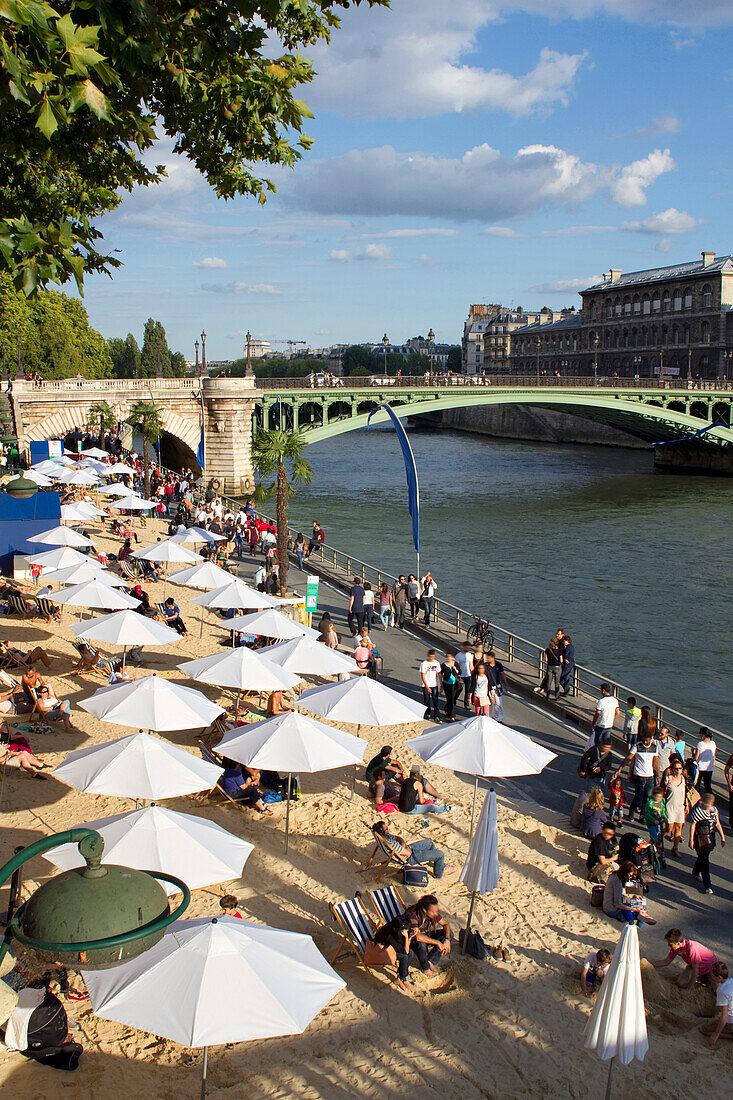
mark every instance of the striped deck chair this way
{"type": "Point", "coordinates": [91, 660]}
{"type": "Point", "coordinates": [17, 605]}
{"type": "Point", "coordinates": [386, 903]}
{"type": "Point", "coordinates": [356, 929]}
{"type": "Point", "coordinates": [130, 572]}
{"type": "Point", "coordinates": [48, 610]}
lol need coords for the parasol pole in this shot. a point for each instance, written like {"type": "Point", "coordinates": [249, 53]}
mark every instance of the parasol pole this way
{"type": "Point", "coordinates": [473, 808]}
{"type": "Point", "coordinates": [610, 1074]}
{"type": "Point", "coordinates": [468, 925]}
{"type": "Point", "coordinates": [287, 812]}
{"type": "Point", "coordinates": [204, 1073]}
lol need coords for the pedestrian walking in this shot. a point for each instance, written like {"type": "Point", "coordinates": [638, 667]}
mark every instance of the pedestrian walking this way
{"type": "Point", "coordinates": [464, 660]}
{"type": "Point", "coordinates": [368, 605]}
{"type": "Point", "coordinates": [480, 689]}
{"type": "Point", "coordinates": [428, 597]}
{"type": "Point", "coordinates": [704, 825]}
{"type": "Point", "coordinates": [386, 606]}
{"type": "Point", "coordinates": [498, 685]}
{"type": "Point", "coordinates": [451, 678]}
{"type": "Point", "coordinates": [553, 653]}
{"type": "Point", "coordinates": [413, 595]}
{"type": "Point", "coordinates": [704, 756]}
{"type": "Point", "coordinates": [432, 683]}
{"type": "Point", "coordinates": [355, 617]}
{"type": "Point", "coordinates": [605, 714]}
{"type": "Point", "coordinates": [643, 772]}
{"type": "Point", "coordinates": [399, 601]}
{"type": "Point", "coordinates": [568, 665]}
{"type": "Point", "coordinates": [300, 548]}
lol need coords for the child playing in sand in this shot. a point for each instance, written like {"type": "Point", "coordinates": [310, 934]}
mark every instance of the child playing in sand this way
{"type": "Point", "coordinates": [594, 971]}
{"type": "Point", "coordinates": [229, 906]}
{"type": "Point", "coordinates": [616, 801]}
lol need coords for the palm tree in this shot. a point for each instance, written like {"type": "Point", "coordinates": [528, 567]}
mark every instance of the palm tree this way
{"type": "Point", "coordinates": [145, 417]}
{"type": "Point", "coordinates": [101, 411]}
{"type": "Point", "coordinates": [271, 450]}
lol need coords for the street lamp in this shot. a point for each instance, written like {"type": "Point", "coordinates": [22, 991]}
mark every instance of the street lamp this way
{"type": "Point", "coordinates": [203, 352]}
{"type": "Point", "coordinates": [595, 358]}
{"type": "Point", "coordinates": [385, 345]}
{"type": "Point", "coordinates": [248, 367]}
{"type": "Point", "coordinates": [431, 338]}
{"type": "Point", "coordinates": [196, 345]}
{"type": "Point", "coordinates": [538, 345]}
{"type": "Point", "coordinates": [637, 361]}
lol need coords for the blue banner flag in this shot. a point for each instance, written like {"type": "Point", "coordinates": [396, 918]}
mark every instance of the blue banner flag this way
{"type": "Point", "coordinates": [413, 486]}
{"type": "Point", "coordinates": [200, 456]}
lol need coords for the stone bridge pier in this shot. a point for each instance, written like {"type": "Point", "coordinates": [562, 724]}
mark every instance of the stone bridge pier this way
{"type": "Point", "coordinates": [224, 407]}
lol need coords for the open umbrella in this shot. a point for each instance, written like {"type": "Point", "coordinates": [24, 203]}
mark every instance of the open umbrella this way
{"type": "Point", "coordinates": [193, 849]}
{"type": "Point", "coordinates": [241, 668]}
{"type": "Point", "coordinates": [293, 743]}
{"type": "Point", "coordinates": [86, 570]}
{"type": "Point", "coordinates": [119, 468]}
{"type": "Point", "coordinates": [134, 503]}
{"type": "Point", "coordinates": [137, 766]}
{"type": "Point", "coordinates": [60, 536]}
{"type": "Point", "coordinates": [126, 628]}
{"type": "Point", "coordinates": [80, 512]}
{"type": "Point", "coordinates": [79, 476]}
{"type": "Point", "coordinates": [481, 870]}
{"type": "Point", "coordinates": [617, 1024]}
{"type": "Point", "coordinates": [481, 746]}
{"type": "Point", "coordinates": [41, 480]}
{"type": "Point", "coordinates": [196, 535]}
{"type": "Point", "coordinates": [152, 703]}
{"type": "Point", "coordinates": [94, 452]}
{"type": "Point", "coordinates": [235, 593]}
{"type": "Point", "coordinates": [205, 575]}
{"type": "Point", "coordinates": [166, 550]}
{"type": "Point", "coordinates": [94, 593]}
{"type": "Point", "coordinates": [309, 658]}
{"type": "Point", "coordinates": [362, 701]}
{"type": "Point", "coordinates": [219, 980]}
{"type": "Point", "coordinates": [269, 623]}
{"type": "Point", "coordinates": [60, 558]}
{"type": "Point", "coordinates": [50, 467]}
{"type": "Point", "coordinates": [118, 489]}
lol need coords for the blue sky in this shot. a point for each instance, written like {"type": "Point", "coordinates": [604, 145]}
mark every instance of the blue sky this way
{"type": "Point", "coordinates": [465, 151]}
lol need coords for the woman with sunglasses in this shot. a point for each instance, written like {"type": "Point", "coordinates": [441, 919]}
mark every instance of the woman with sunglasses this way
{"type": "Point", "coordinates": [675, 797]}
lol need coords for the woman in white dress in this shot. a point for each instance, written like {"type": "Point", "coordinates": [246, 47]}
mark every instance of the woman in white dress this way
{"type": "Point", "coordinates": [675, 795]}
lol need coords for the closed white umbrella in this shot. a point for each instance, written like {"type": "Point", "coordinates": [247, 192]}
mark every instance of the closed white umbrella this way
{"type": "Point", "coordinates": [59, 558]}
{"type": "Point", "coordinates": [309, 658]}
{"type": "Point", "coordinates": [190, 848]}
{"type": "Point", "coordinates": [126, 628]}
{"type": "Point", "coordinates": [617, 1024]}
{"type": "Point", "coordinates": [166, 551]}
{"type": "Point", "coordinates": [270, 623]}
{"type": "Point", "coordinates": [220, 980]}
{"type": "Point", "coordinates": [87, 570]}
{"type": "Point", "coordinates": [481, 870]}
{"type": "Point", "coordinates": [134, 503]}
{"type": "Point", "coordinates": [118, 489]}
{"type": "Point", "coordinates": [152, 703]}
{"type": "Point", "coordinates": [205, 575]}
{"type": "Point", "coordinates": [60, 536]}
{"type": "Point", "coordinates": [362, 701]}
{"type": "Point", "coordinates": [196, 535]}
{"type": "Point", "coordinates": [137, 766]}
{"type": "Point", "coordinates": [94, 593]}
{"type": "Point", "coordinates": [481, 746]}
{"type": "Point", "coordinates": [293, 743]}
{"type": "Point", "coordinates": [119, 468]}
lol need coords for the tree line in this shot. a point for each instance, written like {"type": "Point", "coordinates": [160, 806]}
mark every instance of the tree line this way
{"type": "Point", "coordinates": [357, 361]}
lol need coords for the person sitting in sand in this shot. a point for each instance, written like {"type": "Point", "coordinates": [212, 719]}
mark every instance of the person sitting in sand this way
{"type": "Point", "coordinates": [594, 970]}
{"type": "Point", "coordinates": [623, 896]}
{"type": "Point", "coordinates": [602, 854]}
{"type": "Point", "coordinates": [412, 798]}
{"type": "Point", "coordinates": [431, 933]}
{"type": "Point", "coordinates": [722, 1027]}
{"type": "Point", "coordinates": [230, 906]}
{"type": "Point", "coordinates": [593, 816]}
{"type": "Point", "coordinates": [49, 706]}
{"type": "Point", "coordinates": [698, 960]}
{"type": "Point", "coordinates": [328, 633]}
{"type": "Point", "coordinates": [172, 614]}
{"type": "Point", "coordinates": [242, 788]}
{"type": "Point", "coordinates": [383, 789]}
{"type": "Point", "coordinates": [29, 658]}
{"type": "Point", "coordinates": [384, 760]}
{"type": "Point", "coordinates": [415, 853]}
{"type": "Point", "coordinates": [276, 704]}
{"type": "Point", "coordinates": [399, 934]}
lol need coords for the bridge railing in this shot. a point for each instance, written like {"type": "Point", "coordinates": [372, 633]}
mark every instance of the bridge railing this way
{"type": "Point", "coordinates": [21, 386]}
{"type": "Point", "coordinates": [522, 381]}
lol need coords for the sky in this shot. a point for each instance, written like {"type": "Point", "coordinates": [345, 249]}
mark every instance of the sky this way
{"type": "Point", "coordinates": [471, 151]}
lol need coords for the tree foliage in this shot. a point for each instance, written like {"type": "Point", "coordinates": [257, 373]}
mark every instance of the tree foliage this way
{"type": "Point", "coordinates": [146, 418]}
{"type": "Point", "coordinates": [88, 84]}
{"type": "Point", "coordinates": [275, 367]}
{"type": "Point", "coordinates": [359, 360]}
{"type": "Point", "coordinates": [280, 454]}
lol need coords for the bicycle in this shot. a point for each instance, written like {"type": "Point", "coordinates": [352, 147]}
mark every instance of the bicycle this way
{"type": "Point", "coordinates": [481, 632]}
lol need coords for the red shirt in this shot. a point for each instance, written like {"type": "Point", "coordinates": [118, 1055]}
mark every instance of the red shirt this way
{"type": "Point", "coordinates": [693, 953]}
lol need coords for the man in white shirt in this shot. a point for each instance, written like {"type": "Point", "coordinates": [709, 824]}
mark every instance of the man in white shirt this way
{"type": "Point", "coordinates": [723, 986]}
{"type": "Point", "coordinates": [240, 519]}
{"type": "Point", "coordinates": [464, 660]}
{"type": "Point", "coordinates": [428, 596]}
{"type": "Point", "coordinates": [217, 508]}
{"type": "Point", "coordinates": [432, 684]}
{"type": "Point", "coordinates": [605, 714]}
{"type": "Point", "coordinates": [643, 772]}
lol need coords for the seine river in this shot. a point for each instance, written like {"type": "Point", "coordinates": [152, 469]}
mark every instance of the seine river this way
{"type": "Point", "coordinates": [637, 566]}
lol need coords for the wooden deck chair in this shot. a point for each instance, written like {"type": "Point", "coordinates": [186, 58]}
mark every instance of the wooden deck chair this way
{"type": "Point", "coordinates": [204, 796]}
{"type": "Point", "coordinates": [129, 572]}
{"type": "Point", "coordinates": [386, 903]}
{"type": "Point", "coordinates": [390, 858]}
{"type": "Point", "coordinates": [8, 659]}
{"type": "Point", "coordinates": [356, 929]}
{"type": "Point", "coordinates": [91, 660]}
{"type": "Point", "coordinates": [17, 605]}
{"type": "Point", "coordinates": [48, 610]}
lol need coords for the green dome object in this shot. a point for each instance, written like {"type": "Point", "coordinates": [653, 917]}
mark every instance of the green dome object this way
{"type": "Point", "coordinates": [21, 488]}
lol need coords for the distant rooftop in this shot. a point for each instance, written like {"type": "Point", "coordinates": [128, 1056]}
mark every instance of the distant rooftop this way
{"type": "Point", "coordinates": [722, 264]}
{"type": "Point", "coordinates": [573, 320]}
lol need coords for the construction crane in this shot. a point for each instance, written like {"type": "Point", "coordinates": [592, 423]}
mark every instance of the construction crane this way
{"type": "Point", "coordinates": [292, 344]}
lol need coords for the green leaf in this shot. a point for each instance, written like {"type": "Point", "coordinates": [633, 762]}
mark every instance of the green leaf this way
{"type": "Point", "coordinates": [87, 93]}
{"type": "Point", "coordinates": [78, 42]}
{"type": "Point", "coordinates": [303, 109]}
{"type": "Point", "coordinates": [17, 92]}
{"type": "Point", "coordinates": [46, 121]}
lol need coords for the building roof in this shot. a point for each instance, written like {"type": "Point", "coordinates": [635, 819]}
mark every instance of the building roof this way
{"type": "Point", "coordinates": [573, 320]}
{"type": "Point", "coordinates": [720, 264]}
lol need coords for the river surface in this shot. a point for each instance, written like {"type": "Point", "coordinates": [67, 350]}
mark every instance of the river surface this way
{"type": "Point", "coordinates": [637, 566]}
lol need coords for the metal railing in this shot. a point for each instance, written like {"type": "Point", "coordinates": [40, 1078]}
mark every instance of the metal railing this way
{"type": "Point", "coordinates": [24, 387]}
{"type": "Point", "coordinates": [503, 381]}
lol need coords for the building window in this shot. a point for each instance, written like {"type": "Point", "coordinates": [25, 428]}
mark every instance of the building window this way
{"type": "Point", "coordinates": [664, 335]}
{"type": "Point", "coordinates": [667, 303]}
{"type": "Point", "coordinates": [609, 309]}
{"type": "Point", "coordinates": [627, 308]}
{"type": "Point", "coordinates": [677, 300]}
{"type": "Point", "coordinates": [707, 296]}
{"type": "Point", "coordinates": [675, 335]}
{"type": "Point", "coordinates": [688, 298]}
{"type": "Point", "coordinates": [687, 334]}
{"type": "Point", "coordinates": [657, 305]}
{"type": "Point", "coordinates": [705, 333]}
{"type": "Point", "coordinates": [637, 307]}
{"type": "Point", "coordinates": [617, 308]}
{"type": "Point", "coordinates": [647, 307]}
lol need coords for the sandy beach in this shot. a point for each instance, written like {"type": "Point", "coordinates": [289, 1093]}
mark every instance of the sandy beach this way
{"type": "Point", "coordinates": [492, 1029]}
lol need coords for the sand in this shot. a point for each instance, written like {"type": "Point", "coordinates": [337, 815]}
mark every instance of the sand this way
{"type": "Point", "coordinates": [494, 1029]}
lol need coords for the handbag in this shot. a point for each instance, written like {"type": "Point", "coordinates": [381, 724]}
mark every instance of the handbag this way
{"type": "Point", "coordinates": [693, 797]}
{"type": "Point", "coordinates": [377, 955]}
{"type": "Point", "coordinates": [596, 896]}
{"type": "Point", "coordinates": [414, 876]}
{"type": "Point", "coordinates": [475, 945]}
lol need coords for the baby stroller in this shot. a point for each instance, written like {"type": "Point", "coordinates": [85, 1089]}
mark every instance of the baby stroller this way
{"type": "Point", "coordinates": [635, 849]}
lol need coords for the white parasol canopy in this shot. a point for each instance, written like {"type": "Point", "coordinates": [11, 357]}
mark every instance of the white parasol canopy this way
{"type": "Point", "coordinates": [94, 593]}
{"type": "Point", "coordinates": [94, 452]}
{"type": "Point", "coordinates": [195, 535]}
{"type": "Point", "coordinates": [119, 468]}
{"type": "Point", "coordinates": [205, 575]}
{"type": "Point", "coordinates": [60, 536]}
{"type": "Point", "coordinates": [126, 628]}
{"type": "Point", "coordinates": [309, 658]}
{"type": "Point", "coordinates": [50, 467]}
{"type": "Point", "coordinates": [59, 558]}
{"type": "Point", "coordinates": [117, 489]}
{"type": "Point", "coordinates": [269, 623]}
{"type": "Point", "coordinates": [152, 703]}
{"type": "Point", "coordinates": [190, 848]}
{"type": "Point", "coordinates": [137, 766]}
{"type": "Point", "coordinates": [241, 668]}
{"type": "Point", "coordinates": [362, 701]}
{"type": "Point", "coordinates": [41, 480]}
{"type": "Point", "coordinates": [235, 593]}
{"type": "Point", "coordinates": [166, 550]}
{"type": "Point", "coordinates": [481, 746]}
{"type": "Point", "coordinates": [292, 742]}
{"type": "Point", "coordinates": [79, 476]}
{"type": "Point", "coordinates": [80, 512]}
{"type": "Point", "coordinates": [87, 570]}
{"type": "Point", "coordinates": [134, 503]}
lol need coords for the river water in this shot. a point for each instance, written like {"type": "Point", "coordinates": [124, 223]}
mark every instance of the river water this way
{"type": "Point", "coordinates": [637, 566]}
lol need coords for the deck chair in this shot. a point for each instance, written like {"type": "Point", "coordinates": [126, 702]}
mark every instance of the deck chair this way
{"type": "Point", "coordinates": [356, 929]}
{"type": "Point", "coordinates": [17, 605]}
{"type": "Point", "coordinates": [8, 659]}
{"type": "Point", "coordinates": [204, 796]}
{"type": "Point", "coordinates": [48, 610]}
{"type": "Point", "coordinates": [91, 660]}
{"type": "Point", "coordinates": [390, 858]}
{"type": "Point", "coordinates": [131, 573]}
{"type": "Point", "coordinates": [386, 903]}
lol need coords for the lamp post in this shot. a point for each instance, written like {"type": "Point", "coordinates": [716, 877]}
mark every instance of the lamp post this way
{"type": "Point", "coordinates": [431, 338]}
{"type": "Point", "coordinates": [248, 367]}
{"type": "Point", "coordinates": [689, 363]}
{"type": "Point", "coordinates": [727, 357]}
{"type": "Point", "coordinates": [203, 352]}
{"type": "Point", "coordinates": [595, 359]}
{"type": "Point", "coordinates": [196, 345]}
{"type": "Point", "coordinates": [385, 345]}
{"type": "Point", "coordinates": [538, 345]}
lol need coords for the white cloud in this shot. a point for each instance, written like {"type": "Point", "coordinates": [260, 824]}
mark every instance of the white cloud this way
{"type": "Point", "coordinates": [210, 262]}
{"type": "Point", "coordinates": [564, 286]}
{"type": "Point", "coordinates": [663, 245]}
{"type": "Point", "coordinates": [668, 221]}
{"type": "Point", "coordinates": [500, 231]}
{"type": "Point", "coordinates": [628, 188]}
{"type": "Point", "coordinates": [482, 184]}
{"type": "Point", "coordinates": [398, 234]}
{"type": "Point", "coordinates": [663, 124]}
{"type": "Point", "coordinates": [265, 289]}
{"type": "Point", "coordinates": [409, 61]}
{"type": "Point", "coordinates": [373, 253]}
